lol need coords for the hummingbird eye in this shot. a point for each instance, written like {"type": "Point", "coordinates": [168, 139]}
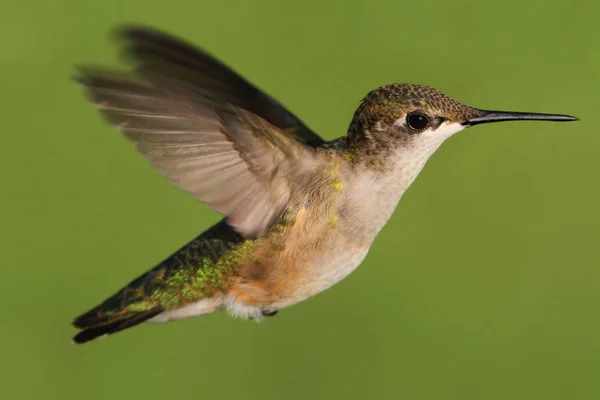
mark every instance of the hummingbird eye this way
{"type": "Point", "coordinates": [417, 121]}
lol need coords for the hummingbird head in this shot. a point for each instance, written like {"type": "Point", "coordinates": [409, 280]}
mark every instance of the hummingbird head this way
{"type": "Point", "coordinates": [407, 115]}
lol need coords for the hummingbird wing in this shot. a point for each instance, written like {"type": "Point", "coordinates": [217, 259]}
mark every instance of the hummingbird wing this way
{"type": "Point", "coordinates": [156, 53]}
{"type": "Point", "coordinates": [181, 119]}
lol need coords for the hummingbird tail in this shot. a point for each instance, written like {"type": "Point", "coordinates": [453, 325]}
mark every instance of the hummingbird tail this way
{"type": "Point", "coordinates": [128, 307]}
{"type": "Point", "coordinates": [197, 271]}
{"type": "Point", "coordinates": [91, 332]}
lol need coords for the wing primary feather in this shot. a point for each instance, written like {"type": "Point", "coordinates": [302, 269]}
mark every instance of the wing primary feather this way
{"type": "Point", "coordinates": [207, 129]}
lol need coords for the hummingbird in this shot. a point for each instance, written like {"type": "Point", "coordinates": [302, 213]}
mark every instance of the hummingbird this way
{"type": "Point", "coordinates": [299, 212]}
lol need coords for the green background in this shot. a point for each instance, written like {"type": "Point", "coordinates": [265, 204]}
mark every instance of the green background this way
{"type": "Point", "coordinates": [483, 285]}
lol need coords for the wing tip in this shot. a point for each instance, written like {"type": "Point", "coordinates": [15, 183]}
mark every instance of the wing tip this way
{"type": "Point", "coordinates": [135, 33]}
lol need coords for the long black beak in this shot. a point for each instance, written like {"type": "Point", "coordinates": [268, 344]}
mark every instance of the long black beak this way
{"type": "Point", "coordinates": [499, 116]}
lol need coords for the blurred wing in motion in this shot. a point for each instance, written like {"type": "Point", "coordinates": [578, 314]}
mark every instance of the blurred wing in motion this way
{"type": "Point", "coordinates": [210, 132]}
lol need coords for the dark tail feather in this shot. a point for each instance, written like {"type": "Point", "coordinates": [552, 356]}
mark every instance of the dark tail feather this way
{"type": "Point", "coordinates": [92, 332]}
{"type": "Point", "coordinates": [128, 307]}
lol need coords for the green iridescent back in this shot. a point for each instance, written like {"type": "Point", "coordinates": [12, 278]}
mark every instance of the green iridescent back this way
{"type": "Point", "coordinates": [196, 271]}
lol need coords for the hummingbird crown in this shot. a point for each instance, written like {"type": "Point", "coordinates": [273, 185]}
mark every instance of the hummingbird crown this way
{"type": "Point", "coordinates": [402, 110]}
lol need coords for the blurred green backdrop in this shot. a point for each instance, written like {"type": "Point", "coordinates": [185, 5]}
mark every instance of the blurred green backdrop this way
{"type": "Point", "coordinates": [484, 285]}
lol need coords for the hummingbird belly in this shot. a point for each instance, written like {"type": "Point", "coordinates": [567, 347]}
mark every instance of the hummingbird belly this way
{"type": "Point", "coordinates": [304, 266]}
{"type": "Point", "coordinates": [321, 274]}
{"type": "Point", "coordinates": [316, 248]}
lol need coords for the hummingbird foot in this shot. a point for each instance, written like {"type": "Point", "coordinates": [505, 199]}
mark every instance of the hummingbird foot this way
{"type": "Point", "coordinates": [263, 313]}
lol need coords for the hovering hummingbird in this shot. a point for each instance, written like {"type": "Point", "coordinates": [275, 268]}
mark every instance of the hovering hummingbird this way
{"type": "Point", "coordinates": [300, 213]}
